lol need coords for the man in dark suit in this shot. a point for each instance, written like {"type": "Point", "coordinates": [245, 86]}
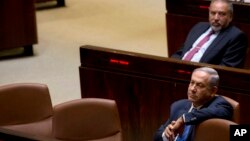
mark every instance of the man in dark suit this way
{"type": "Point", "coordinates": [201, 97]}
{"type": "Point", "coordinates": [226, 46]}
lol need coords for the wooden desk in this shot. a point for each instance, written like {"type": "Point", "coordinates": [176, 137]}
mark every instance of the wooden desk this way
{"type": "Point", "coordinates": [11, 135]}
{"type": "Point", "coordinates": [145, 86]}
{"type": "Point", "coordinates": [58, 2]}
{"type": "Point", "coordinates": [18, 25]}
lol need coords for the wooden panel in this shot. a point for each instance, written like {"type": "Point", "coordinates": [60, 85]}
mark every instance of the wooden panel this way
{"type": "Point", "coordinates": [59, 2]}
{"type": "Point", "coordinates": [12, 135]}
{"type": "Point", "coordinates": [18, 24]}
{"type": "Point", "coordinates": [138, 100]}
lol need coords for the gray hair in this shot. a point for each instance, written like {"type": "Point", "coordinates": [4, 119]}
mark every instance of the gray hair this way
{"type": "Point", "coordinates": [228, 2]}
{"type": "Point", "coordinates": [214, 77]}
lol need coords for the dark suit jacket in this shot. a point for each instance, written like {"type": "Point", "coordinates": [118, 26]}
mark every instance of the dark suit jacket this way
{"type": "Point", "coordinates": [218, 107]}
{"type": "Point", "coordinates": [228, 49]}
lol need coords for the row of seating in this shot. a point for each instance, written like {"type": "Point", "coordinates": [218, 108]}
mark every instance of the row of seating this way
{"type": "Point", "coordinates": [27, 108]}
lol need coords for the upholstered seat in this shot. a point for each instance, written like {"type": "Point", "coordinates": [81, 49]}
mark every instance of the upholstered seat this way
{"type": "Point", "coordinates": [87, 119]}
{"type": "Point", "coordinates": [26, 107]}
{"type": "Point", "coordinates": [236, 109]}
{"type": "Point", "coordinates": [213, 130]}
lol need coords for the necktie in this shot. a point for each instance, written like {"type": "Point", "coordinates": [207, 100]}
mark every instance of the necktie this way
{"type": "Point", "coordinates": [184, 135]}
{"type": "Point", "coordinates": [199, 45]}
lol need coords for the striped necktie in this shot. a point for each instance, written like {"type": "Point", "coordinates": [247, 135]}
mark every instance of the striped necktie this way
{"type": "Point", "coordinates": [190, 55]}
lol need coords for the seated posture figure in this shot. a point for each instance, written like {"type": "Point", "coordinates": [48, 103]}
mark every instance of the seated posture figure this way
{"type": "Point", "coordinates": [203, 103]}
{"type": "Point", "coordinates": [217, 41]}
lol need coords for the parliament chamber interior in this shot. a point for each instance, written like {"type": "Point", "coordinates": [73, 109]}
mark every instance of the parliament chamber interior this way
{"type": "Point", "coordinates": [134, 90]}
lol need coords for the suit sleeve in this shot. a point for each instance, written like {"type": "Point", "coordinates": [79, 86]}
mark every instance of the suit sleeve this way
{"type": "Point", "coordinates": [235, 53]}
{"type": "Point", "coordinates": [159, 132]}
{"type": "Point", "coordinates": [175, 113]}
{"type": "Point", "coordinates": [219, 108]}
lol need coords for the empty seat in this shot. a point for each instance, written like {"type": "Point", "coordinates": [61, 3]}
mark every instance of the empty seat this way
{"type": "Point", "coordinates": [26, 107]}
{"type": "Point", "coordinates": [87, 119]}
{"type": "Point", "coordinates": [213, 130]}
{"type": "Point", "coordinates": [236, 109]}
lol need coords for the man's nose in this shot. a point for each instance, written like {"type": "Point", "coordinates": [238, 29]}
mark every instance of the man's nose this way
{"type": "Point", "coordinates": [193, 88]}
{"type": "Point", "coordinates": [216, 16]}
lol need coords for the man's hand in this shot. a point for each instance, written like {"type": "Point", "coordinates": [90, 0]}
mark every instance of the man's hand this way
{"type": "Point", "coordinates": [179, 125]}
{"type": "Point", "coordinates": [169, 132]}
{"type": "Point", "coordinates": [175, 127]}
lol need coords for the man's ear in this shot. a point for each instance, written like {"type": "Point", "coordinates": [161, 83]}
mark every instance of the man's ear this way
{"type": "Point", "coordinates": [214, 90]}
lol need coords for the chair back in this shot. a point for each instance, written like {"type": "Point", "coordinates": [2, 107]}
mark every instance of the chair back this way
{"type": "Point", "coordinates": [26, 107]}
{"type": "Point", "coordinates": [236, 109]}
{"type": "Point", "coordinates": [87, 119]}
{"type": "Point", "coordinates": [213, 130]}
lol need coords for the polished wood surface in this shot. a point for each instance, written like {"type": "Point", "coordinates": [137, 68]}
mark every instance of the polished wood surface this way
{"type": "Point", "coordinates": [182, 15]}
{"type": "Point", "coordinates": [18, 24]}
{"type": "Point", "coordinates": [59, 2]}
{"type": "Point", "coordinates": [11, 135]}
{"type": "Point", "coordinates": [145, 86]}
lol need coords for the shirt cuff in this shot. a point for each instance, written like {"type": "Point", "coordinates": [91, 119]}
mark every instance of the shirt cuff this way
{"type": "Point", "coordinates": [183, 117]}
{"type": "Point", "coordinates": [164, 138]}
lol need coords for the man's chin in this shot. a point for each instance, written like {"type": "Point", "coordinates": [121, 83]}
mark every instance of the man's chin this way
{"type": "Point", "coordinates": [191, 99]}
{"type": "Point", "coordinates": [216, 28]}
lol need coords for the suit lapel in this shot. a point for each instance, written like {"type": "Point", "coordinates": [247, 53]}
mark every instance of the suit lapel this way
{"type": "Point", "coordinates": [186, 108]}
{"type": "Point", "coordinates": [215, 45]}
{"type": "Point", "coordinates": [195, 35]}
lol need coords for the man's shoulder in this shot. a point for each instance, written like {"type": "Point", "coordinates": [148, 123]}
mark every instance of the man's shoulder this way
{"type": "Point", "coordinates": [220, 99]}
{"type": "Point", "coordinates": [233, 29]}
{"type": "Point", "coordinates": [181, 102]}
{"type": "Point", "coordinates": [202, 24]}
{"type": "Point", "coordinates": [200, 27]}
